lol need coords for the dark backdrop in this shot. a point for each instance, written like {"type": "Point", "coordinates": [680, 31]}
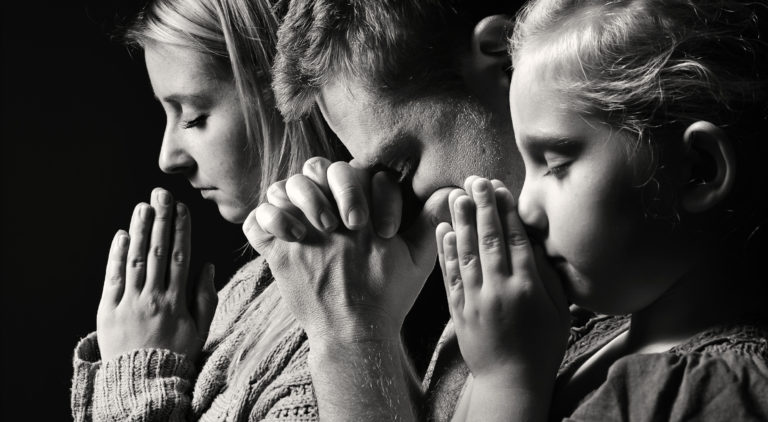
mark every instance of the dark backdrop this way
{"type": "Point", "coordinates": [81, 134]}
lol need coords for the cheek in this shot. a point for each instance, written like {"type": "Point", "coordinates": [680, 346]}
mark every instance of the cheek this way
{"type": "Point", "coordinates": [235, 166]}
{"type": "Point", "coordinates": [595, 226]}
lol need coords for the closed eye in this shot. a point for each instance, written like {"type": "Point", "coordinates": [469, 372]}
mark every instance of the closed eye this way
{"type": "Point", "coordinates": [198, 121]}
{"type": "Point", "coordinates": [558, 171]}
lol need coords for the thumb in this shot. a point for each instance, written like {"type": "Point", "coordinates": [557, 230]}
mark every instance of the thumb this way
{"type": "Point", "coordinates": [205, 301]}
{"type": "Point", "coordinates": [420, 237]}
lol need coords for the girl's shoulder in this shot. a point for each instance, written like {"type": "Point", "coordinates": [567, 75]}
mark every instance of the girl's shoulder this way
{"type": "Point", "coordinates": [750, 339]}
{"type": "Point", "coordinates": [719, 374]}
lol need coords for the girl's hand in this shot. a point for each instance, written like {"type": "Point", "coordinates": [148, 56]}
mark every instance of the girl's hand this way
{"type": "Point", "coordinates": [509, 309]}
{"type": "Point", "coordinates": [144, 302]}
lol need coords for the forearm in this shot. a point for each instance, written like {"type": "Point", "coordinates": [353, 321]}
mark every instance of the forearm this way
{"type": "Point", "coordinates": [511, 398]}
{"type": "Point", "coordinates": [362, 381]}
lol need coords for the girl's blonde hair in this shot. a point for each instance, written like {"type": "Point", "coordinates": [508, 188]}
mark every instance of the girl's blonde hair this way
{"type": "Point", "coordinates": [241, 36]}
{"type": "Point", "coordinates": [650, 68]}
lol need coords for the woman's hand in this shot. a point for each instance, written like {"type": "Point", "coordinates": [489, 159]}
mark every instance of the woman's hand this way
{"type": "Point", "coordinates": [144, 303]}
{"type": "Point", "coordinates": [508, 307]}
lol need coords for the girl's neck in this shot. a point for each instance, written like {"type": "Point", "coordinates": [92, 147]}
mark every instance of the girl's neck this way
{"type": "Point", "coordinates": [706, 296]}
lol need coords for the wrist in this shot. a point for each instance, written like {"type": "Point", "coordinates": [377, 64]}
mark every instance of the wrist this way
{"type": "Point", "coordinates": [354, 331]}
{"type": "Point", "coordinates": [517, 379]}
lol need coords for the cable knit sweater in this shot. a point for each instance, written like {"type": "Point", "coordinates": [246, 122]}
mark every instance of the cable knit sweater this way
{"type": "Point", "coordinates": [159, 385]}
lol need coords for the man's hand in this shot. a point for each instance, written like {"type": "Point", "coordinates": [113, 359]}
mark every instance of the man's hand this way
{"type": "Point", "coordinates": [351, 284]}
{"type": "Point", "coordinates": [350, 287]}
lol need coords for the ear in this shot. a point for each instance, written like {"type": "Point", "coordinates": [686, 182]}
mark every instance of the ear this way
{"type": "Point", "coordinates": [487, 69]}
{"type": "Point", "coordinates": [711, 169]}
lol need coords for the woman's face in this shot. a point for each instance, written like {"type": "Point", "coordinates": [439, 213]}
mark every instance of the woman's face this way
{"type": "Point", "coordinates": [205, 135]}
{"type": "Point", "coordinates": [581, 201]}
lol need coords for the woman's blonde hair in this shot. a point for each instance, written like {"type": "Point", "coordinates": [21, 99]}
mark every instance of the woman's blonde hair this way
{"type": "Point", "coordinates": [241, 35]}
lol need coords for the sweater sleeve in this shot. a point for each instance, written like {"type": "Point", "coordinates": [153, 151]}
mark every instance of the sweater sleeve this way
{"type": "Point", "coordinates": [671, 387]}
{"type": "Point", "coordinates": [141, 385]}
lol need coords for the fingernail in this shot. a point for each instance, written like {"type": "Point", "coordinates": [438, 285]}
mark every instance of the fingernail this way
{"type": "Point", "coordinates": [164, 198]}
{"type": "Point", "coordinates": [386, 229]}
{"type": "Point", "coordinates": [122, 241]}
{"type": "Point", "coordinates": [450, 251]}
{"type": "Point", "coordinates": [144, 212]}
{"type": "Point", "coordinates": [297, 232]}
{"type": "Point", "coordinates": [480, 187]}
{"type": "Point", "coordinates": [356, 217]}
{"type": "Point", "coordinates": [328, 220]}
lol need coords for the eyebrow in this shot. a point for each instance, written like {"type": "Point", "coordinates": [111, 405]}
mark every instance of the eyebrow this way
{"type": "Point", "coordinates": [541, 143]}
{"type": "Point", "coordinates": [194, 99]}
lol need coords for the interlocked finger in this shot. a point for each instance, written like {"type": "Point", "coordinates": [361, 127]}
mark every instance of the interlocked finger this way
{"type": "Point", "coordinates": [275, 222]}
{"type": "Point", "coordinates": [350, 193]}
{"type": "Point", "coordinates": [312, 202]}
{"type": "Point", "coordinates": [316, 169]}
{"type": "Point", "coordinates": [387, 200]}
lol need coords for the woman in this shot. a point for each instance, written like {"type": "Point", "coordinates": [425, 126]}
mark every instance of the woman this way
{"type": "Point", "coordinates": [209, 64]}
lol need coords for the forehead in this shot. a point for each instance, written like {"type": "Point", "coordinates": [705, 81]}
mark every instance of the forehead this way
{"type": "Point", "coordinates": [175, 70]}
{"type": "Point", "coordinates": [540, 110]}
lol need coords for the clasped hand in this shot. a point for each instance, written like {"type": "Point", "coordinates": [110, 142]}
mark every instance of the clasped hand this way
{"type": "Point", "coordinates": [348, 282]}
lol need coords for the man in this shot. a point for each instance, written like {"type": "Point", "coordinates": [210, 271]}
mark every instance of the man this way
{"type": "Point", "coordinates": [418, 93]}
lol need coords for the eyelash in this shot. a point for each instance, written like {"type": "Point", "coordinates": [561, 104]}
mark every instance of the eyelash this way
{"type": "Point", "coordinates": [558, 171]}
{"type": "Point", "coordinates": [197, 121]}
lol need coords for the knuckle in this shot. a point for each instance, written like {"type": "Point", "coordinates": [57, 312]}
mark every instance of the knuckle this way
{"type": "Point", "coordinates": [159, 251]}
{"type": "Point", "coordinates": [179, 257]}
{"type": "Point", "coordinates": [517, 239]}
{"type": "Point", "coordinates": [277, 189]}
{"type": "Point", "coordinates": [314, 165]}
{"type": "Point", "coordinates": [163, 215]}
{"type": "Point", "coordinates": [490, 241]}
{"type": "Point", "coordinates": [115, 279]}
{"type": "Point", "coordinates": [137, 261]}
{"type": "Point", "coordinates": [467, 259]}
{"type": "Point", "coordinates": [154, 304]}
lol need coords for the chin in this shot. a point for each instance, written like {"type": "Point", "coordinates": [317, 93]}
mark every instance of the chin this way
{"type": "Point", "coordinates": [235, 215]}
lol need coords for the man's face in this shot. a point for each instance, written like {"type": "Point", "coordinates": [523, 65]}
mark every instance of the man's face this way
{"type": "Point", "coordinates": [433, 142]}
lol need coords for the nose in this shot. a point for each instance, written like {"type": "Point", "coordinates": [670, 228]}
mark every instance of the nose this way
{"type": "Point", "coordinates": [174, 157]}
{"type": "Point", "coordinates": [530, 207]}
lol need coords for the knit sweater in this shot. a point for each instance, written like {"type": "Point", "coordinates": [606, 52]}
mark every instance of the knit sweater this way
{"type": "Point", "coordinates": [719, 374]}
{"type": "Point", "coordinates": [160, 385]}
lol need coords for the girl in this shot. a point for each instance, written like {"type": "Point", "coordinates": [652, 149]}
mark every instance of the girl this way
{"type": "Point", "coordinates": [640, 123]}
{"type": "Point", "coordinates": [209, 64]}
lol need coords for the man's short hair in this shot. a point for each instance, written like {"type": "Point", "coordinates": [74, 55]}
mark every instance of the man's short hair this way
{"type": "Point", "coordinates": [395, 48]}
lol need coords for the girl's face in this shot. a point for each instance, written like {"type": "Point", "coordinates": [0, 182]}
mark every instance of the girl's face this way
{"type": "Point", "coordinates": [205, 135]}
{"type": "Point", "coordinates": [581, 202]}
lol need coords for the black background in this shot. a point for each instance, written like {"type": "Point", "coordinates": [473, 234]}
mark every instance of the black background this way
{"type": "Point", "coordinates": [81, 134]}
